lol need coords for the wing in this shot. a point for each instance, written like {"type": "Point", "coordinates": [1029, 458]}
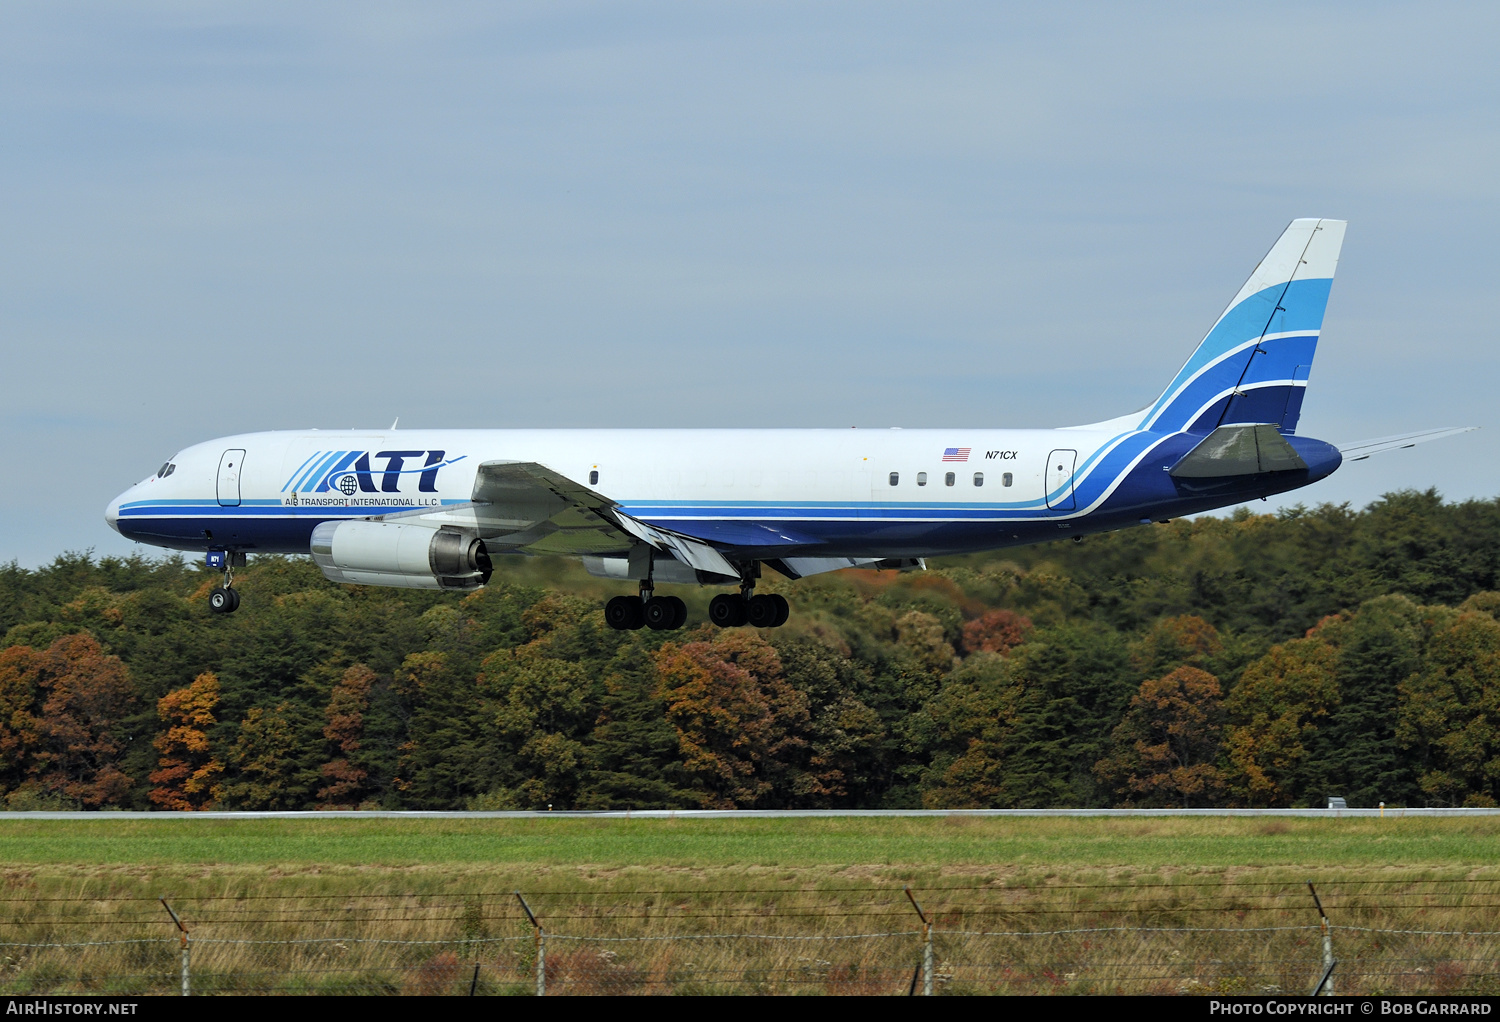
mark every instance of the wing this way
{"type": "Point", "coordinates": [525, 507]}
{"type": "Point", "coordinates": [1364, 448]}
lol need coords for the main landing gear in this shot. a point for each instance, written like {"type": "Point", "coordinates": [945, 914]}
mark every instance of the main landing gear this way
{"type": "Point", "coordinates": [664, 613]}
{"type": "Point", "coordinates": [659, 613]}
{"type": "Point", "coordinates": [728, 610]}
{"type": "Point", "coordinates": [225, 600]}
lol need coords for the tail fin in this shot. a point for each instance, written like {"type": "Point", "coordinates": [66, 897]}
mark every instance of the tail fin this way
{"type": "Point", "coordinates": [1253, 365]}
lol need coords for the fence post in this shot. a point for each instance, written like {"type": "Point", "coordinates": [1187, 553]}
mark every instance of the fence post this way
{"type": "Point", "coordinates": [926, 944]}
{"type": "Point", "coordinates": [185, 944]}
{"type": "Point", "coordinates": [541, 948]}
{"type": "Point", "coordinates": [1325, 985]}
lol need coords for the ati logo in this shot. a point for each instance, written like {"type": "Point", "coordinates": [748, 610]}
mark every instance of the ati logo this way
{"type": "Point", "coordinates": [351, 472]}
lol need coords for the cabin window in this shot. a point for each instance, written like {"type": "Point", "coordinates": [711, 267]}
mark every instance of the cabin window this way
{"type": "Point", "coordinates": [948, 479]}
{"type": "Point", "coordinates": [978, 478]}
{"type": "Point", "coordinates": [593, 477]}
{"type": "Point", "coordinates": [921, 478]}
{"type": "Point", "coordinates": [1006, 479]}
{"type": "Point", "coordinates": [895, 478]}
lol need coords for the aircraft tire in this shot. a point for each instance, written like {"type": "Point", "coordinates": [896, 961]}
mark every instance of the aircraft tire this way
{"type": "Point", "coordinates": [222, 601]}
{"type": "Point", "coordinates": [764, 612]}
{"type": "Point", "coordinates": [727, 610]}
{"type": "Point", "coordinates": [681, 612]}
{"type": "Point", "coordinates": [623, 613]}
{"type": "Point", "coordinates": [661, 612]}
{"type": "Point", "coordinates": [234, 601]}
{"type": "Point", "coordinates": [783, 610]}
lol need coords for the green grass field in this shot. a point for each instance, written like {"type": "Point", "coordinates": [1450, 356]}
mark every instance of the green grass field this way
{"type": "Point", "coordinates": [562, 855]}
{"type": "Point", "coordinates": [1215, 884]}
{"type": "Point", "coordinates": [920, 844]}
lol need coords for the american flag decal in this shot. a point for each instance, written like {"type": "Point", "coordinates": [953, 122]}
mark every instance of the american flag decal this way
{"type": "Point", "coordinates": [956, 454]}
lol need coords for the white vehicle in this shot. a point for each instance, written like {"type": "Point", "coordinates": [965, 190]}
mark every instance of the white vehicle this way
{"type": "Point", "coordinates": [429, 508]}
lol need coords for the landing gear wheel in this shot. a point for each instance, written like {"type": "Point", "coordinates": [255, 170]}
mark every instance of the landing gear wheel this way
{"type": "Point", "coordinates": [624, 613]}
{"type": "Point", "coordinates": [223, 601]}
{"type": "Point", "coordinates": [783, 610]}
{"type": "Point", "coordinates": [726, 610]}
{"type": "Point", "coordinates": [665, 612]}
{"type": "Point", "coordinates": [765, 612]}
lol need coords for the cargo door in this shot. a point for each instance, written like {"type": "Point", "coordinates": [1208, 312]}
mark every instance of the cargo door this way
{"type": "Point", "coordinates": [229, 478]}
{"type": "Point", "coordinates": [1059, 478]}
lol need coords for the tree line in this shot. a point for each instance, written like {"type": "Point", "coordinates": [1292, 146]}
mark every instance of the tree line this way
{"type": "Point", "coordinates": [1256, 660]}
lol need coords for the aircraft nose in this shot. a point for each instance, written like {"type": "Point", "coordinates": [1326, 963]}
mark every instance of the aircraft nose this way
{"type": "Point", "coordinates": [112, 513]}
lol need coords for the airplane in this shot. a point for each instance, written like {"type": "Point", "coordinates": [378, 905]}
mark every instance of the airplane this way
{"type": "Point", "coordinates": [431, 508]}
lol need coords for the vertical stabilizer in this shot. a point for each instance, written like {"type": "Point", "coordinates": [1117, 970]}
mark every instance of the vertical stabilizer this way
{"type": "Point", "coordinates": [1254, 364]}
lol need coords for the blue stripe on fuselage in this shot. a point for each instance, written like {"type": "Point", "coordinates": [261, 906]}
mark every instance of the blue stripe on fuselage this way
{"type": "Point", "coordinates": [1124, 483]}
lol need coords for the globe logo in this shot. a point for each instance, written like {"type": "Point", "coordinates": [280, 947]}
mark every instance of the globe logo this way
{"type": "Point", "coordinates": [348, 485]}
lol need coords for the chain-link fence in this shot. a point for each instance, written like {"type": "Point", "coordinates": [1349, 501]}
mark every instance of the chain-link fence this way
{"type": "Point", "coordinates": [1150, 938]}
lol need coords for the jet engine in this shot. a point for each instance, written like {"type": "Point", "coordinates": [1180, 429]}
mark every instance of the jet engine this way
{"type": "Point", "coordinates": [401, 554]}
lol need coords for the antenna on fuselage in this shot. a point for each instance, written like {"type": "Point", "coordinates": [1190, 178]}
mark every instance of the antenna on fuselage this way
{"type": "Point", "coordinates": [394, 421]}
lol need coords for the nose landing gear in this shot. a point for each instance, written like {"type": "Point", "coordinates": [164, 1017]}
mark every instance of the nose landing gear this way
{"type": "Point", "coordinates": [225, 600]}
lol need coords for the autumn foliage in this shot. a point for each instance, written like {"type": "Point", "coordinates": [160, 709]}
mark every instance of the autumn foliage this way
{"type": "Point", "coordinates": [346, 720]}
{"type": "Point", "coordinates": [60, 714]}
{"type": "Point", "coordinates": [1167, 747]}
{"type": "Point", "coordinates": [187, 774]}
{"type": "Point", "coordinates": [1248, 661]}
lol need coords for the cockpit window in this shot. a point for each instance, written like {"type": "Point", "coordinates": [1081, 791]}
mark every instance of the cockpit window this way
{"type": "Point", "coordinates": [166, 470]}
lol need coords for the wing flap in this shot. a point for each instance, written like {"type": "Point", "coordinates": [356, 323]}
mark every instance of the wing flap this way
{"type": "Point", "coordinates": [686, 549]}
{"type": "Point", "coordinates": [801, 567]}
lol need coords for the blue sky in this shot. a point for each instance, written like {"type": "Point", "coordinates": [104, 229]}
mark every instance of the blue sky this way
{"type": "Point", "coordinates": [220, 218]}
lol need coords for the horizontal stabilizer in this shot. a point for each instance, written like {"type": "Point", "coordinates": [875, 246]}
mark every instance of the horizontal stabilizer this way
{"type": "Point", "coordinates": [1364, 448]}
{"type": "Point", "coordinates": [1239, 451]}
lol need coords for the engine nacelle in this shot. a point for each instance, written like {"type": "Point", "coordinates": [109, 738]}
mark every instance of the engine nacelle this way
{"type": "Point", "coordinates": [405, 555]}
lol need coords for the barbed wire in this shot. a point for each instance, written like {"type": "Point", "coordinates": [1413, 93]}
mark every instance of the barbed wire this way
{"type": "Point", "coordinates": [91, 943]}
{"type": "Point", "coordinates": [754, 936]}
{"type": "Point", "coordinates": [976, 937]}
{"type": "Point", "coordinates": [1127, 929]}
{"type": "Point", "coordinates": [356, 940]}
{"type": "Point", "coordinates": [737, 936]}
